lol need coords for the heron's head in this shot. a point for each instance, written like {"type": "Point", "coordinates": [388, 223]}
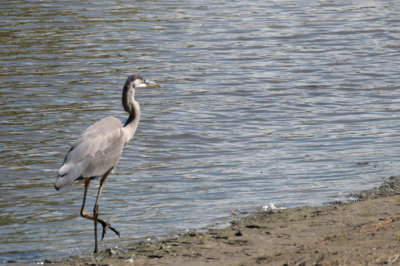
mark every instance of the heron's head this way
{"type": "Point", "coordinates": [134, 82]}
{"type": "Point", "coordinates": [137, 81]}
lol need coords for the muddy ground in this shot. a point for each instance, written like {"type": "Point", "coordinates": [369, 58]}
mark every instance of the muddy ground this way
{"type": "Point", "coordinates": [364, 232]}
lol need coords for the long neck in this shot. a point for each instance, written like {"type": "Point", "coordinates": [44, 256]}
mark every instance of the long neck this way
{"type": "Point", "coordinates": [132, 122]}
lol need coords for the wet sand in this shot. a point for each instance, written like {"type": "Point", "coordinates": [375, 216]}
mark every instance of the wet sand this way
{"type": "Point", "coordinates": [366, 231]}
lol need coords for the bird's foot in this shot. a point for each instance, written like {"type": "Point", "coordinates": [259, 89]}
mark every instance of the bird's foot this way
{"type": "Point", "coordinates": [105, 225]}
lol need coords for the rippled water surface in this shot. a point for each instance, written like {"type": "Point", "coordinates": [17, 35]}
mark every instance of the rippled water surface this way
{"type": "Point", "coordinates": [290, 102]}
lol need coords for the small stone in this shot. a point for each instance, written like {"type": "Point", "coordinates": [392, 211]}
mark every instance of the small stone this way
{"type": "Point", "coordinates": [238, 233]}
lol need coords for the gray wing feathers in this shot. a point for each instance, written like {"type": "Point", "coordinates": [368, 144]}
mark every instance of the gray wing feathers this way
{"type": "Point", "coordinates": [96, 151]}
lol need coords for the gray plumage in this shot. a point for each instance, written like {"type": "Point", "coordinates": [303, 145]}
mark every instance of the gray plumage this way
{"type": "Point", "coordinates": [96, 151]}
{"type": "Point", "coordinates": [99, 148]}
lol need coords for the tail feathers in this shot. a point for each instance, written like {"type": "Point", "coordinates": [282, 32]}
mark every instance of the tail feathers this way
{"type": "Point", "coordinates": [66, 176]}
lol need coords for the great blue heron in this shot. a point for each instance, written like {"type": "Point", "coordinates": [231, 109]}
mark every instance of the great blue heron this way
{"type": "Point", "coordinates": [99, 148]}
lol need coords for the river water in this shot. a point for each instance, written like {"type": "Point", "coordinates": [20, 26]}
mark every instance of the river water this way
{"type": "Point", "coordinates": [290, 102]}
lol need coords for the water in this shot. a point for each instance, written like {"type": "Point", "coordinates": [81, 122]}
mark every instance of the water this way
{"type": "Point", "coordinates": [295, 103]}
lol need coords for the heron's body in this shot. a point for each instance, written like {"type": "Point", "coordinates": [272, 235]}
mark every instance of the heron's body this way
{"type": "Point", "coordinates": [96, 151]}
{"type": "Point", "coordinates": [99, 148]}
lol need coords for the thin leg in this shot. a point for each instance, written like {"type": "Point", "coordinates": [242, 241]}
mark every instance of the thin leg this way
{"type": "Point", "coordinates": [83, 211]}
{"type": "Point", "coordinates": [85, 215]}
{"type": "Point", "coordinates": [103, 223]}
{"type": "Point", "coordinates": [96, 209]}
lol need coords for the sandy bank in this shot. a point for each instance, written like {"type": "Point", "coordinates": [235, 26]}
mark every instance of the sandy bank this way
{"type": "Point", "coordinates": [366, 231]}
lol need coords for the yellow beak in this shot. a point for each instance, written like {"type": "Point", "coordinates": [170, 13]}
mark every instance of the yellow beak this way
{"type": "Point", "coordinates": [153, 85]}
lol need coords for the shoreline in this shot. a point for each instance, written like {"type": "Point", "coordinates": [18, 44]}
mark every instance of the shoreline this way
{"type": "Point", "coordinates": [365, 231]}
